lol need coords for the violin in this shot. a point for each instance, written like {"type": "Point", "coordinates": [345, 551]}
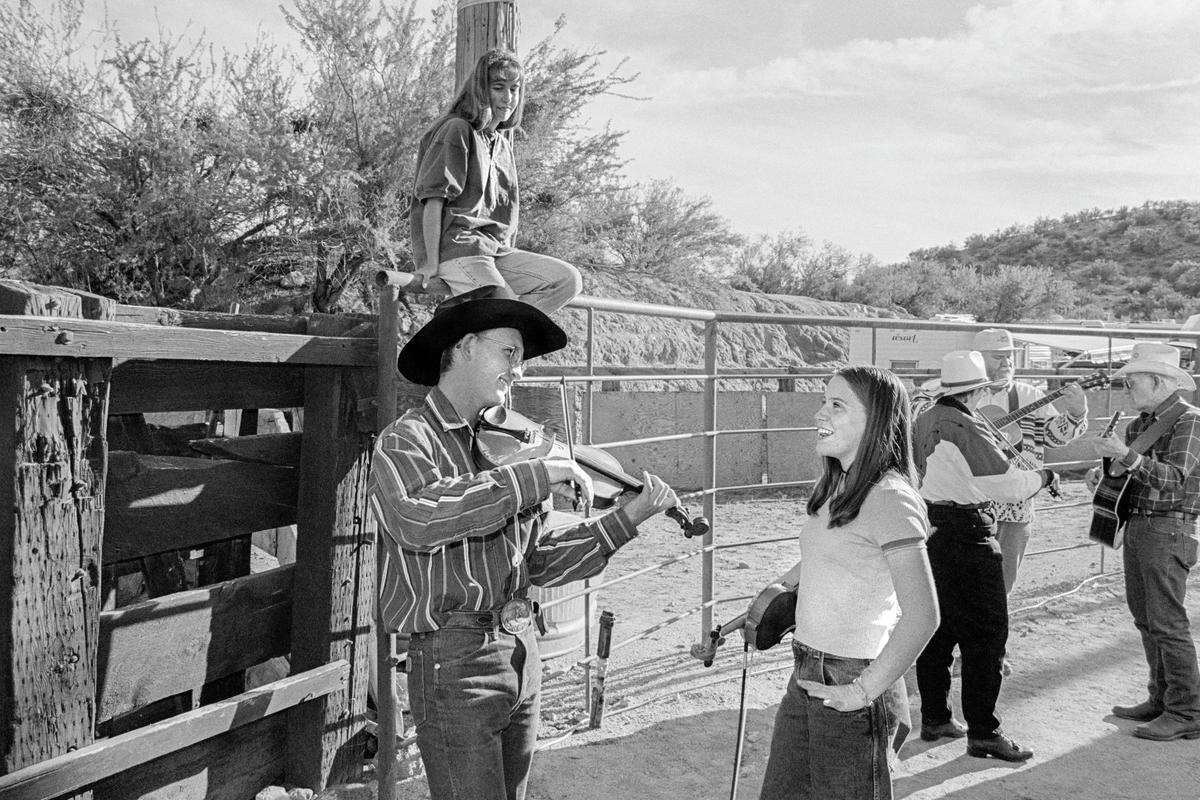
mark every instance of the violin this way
{"type": "Point", "coordinates": [504, 436]}
{"type": "Point", "coordinates": [770, 617]}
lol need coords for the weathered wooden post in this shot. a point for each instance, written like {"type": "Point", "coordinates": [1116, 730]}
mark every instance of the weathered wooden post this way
{"type": "Point", "coordinates": [482, 25]}
{"type": "Point", "coordinates": [334, 595]}
{"type": "Point", "coordinates": [52, 442]}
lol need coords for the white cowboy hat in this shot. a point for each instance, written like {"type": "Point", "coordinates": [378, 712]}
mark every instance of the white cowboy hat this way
{"type": "Point", "coordinates": [992, 339]}
{"type": "Point", "coordinates": [1192, 324]}
{"type": "Point", "coordinates": [1157, 359]}
{"type": "Point", "coordinates": [962, 371]}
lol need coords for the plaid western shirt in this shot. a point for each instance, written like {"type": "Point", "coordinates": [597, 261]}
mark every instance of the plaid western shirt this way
{"type": "Point", "coordinates": [458, 539]}
{"type": "Point", "coordinates": [1167, 476]}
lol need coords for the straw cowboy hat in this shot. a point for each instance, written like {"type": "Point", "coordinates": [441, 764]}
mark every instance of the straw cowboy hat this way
{"type": "Point", "coordinates": [480, 309]}
{"type": "Point", "coordinates": [1156, 358]}
{"type": "Point", "coordinates": [992, 339]}
{"type": "Point", "coordinates": [962, 371]}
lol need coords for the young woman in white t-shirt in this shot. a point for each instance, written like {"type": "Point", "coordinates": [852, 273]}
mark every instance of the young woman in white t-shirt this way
{"type": "Point", "coordinates": [866, 603]}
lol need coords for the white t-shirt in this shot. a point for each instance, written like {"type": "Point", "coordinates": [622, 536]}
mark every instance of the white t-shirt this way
{"type": "Point", "coordinates": [847, 604]}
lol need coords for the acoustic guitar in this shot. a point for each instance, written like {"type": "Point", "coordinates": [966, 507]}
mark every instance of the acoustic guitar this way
{"type": "Point", "coordinates": [1110, 505]}
{"type": "Point", "coordinates": [1006, 421]}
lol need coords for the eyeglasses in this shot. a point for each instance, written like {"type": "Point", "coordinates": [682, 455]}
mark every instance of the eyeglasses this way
{"type": "Point", "coordinates": [515, 360]}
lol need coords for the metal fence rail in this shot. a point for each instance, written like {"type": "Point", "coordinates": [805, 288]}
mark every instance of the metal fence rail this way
{"type": "Point", "coordinates": [712, 375]}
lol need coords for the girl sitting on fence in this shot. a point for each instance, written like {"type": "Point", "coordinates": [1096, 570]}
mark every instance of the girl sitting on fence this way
{"type": "Point", "coordinates": [466, 199]}
{"type": "Point", "coordinates": [845, 711]}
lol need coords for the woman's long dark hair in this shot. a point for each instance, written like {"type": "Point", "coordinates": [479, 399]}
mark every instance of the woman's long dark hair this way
{"type": "Point", "coordinates": [886, 445]}
{"type": "Point", "coordinates": [473, 97]}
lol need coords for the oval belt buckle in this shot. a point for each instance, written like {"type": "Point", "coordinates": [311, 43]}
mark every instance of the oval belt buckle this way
{"type": "Point", "coordinates": [516, 616]}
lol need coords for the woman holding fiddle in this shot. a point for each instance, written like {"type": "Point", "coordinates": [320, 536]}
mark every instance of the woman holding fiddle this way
{"type": "Point", "coordinates": [464, 541]}
{"type": "Point", "coordinates": [866, 604]}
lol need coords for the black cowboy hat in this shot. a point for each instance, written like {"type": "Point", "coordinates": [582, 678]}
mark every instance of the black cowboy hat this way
{"type": "Point", "coordinates": [480, 309]}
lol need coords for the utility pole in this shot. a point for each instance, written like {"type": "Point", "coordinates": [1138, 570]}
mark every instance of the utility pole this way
{"type": "Point", "coordinates": [482, 25]}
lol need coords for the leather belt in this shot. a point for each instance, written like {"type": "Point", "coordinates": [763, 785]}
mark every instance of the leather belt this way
{"type": "Point", "coordinates": [948, 504]}
{"type": "Point", "coordinates": [514, 617]}
{"type": "Point", "coordinates": [1145, 512]}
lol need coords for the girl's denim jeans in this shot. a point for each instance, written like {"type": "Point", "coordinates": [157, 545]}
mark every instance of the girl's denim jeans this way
{"type": "Point", "coordinates": [817, 752]}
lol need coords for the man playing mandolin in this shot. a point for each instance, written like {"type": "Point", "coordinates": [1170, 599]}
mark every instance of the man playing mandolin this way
{"type": "Point", "coordinates": [1030, 435]}
{"type": "Point", "coordinates": [1161, 536]}
{"type": "Point", "coordinates": [464, 542]}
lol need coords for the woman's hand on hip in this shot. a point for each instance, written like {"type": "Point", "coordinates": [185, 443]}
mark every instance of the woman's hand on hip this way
{"type": "Point", "coordinates": [840, 698]}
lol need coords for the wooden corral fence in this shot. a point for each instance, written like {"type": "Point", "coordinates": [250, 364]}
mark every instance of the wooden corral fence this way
{"type": "Point", "coordinates": [130, 619]}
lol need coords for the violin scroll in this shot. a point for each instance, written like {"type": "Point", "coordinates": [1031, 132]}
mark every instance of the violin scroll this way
{"type": "Point", "coordinates": [706, 651]}
{"type": "Point", "coordinates": [692, 526]}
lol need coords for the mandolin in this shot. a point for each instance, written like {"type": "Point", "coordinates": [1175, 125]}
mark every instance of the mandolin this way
{"type": "Point", "coordinates": [1006, 421]}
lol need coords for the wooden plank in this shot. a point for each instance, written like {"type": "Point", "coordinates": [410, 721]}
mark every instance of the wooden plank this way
{"type": "Point", "coordinates": [79, 338]}
{"type": "Point", "coordinates": [280, 449]}
{"type": "Point", "coordinates": [51, 491]}
{"type": "Point", "coordinates": [212, 320]}
{"type": "Point", "coordinates": [160, 503]}
{"type": "Point", "coordinates": [233, 766]}
{"type": "Point", "coordinates": [353, 324]}
{"type": "Point", "coordinates": [335, 587]}
{"type": "Point", "coordinates": [107, 757]}
{"type": "Point", "coordinates": [156, 649]}
{"type": "Point", "coordinates": [169, 385]}
{"type": "Point", "coordinates": [34, 300]}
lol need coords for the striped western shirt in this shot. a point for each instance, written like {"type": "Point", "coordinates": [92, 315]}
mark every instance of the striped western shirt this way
{"type": "Point", "coordinates": [1167, 477]}
{"type": "Point", "coordinates": [458, 539]}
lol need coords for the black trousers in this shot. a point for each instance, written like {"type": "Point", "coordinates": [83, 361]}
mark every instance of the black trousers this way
{"type": "Point", "coordinates": [969, 576]}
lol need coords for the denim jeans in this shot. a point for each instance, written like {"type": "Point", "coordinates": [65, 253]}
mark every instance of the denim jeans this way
{"type": "Point", "coordinates": [1013, 538]}
{"type": "Point", "coordinates": [968, 575]}
{"type": "Point", "coordinates": [474, 696]}
{"type": "Point", "coordinates": [544, 282]}
{"type": "Point", "coordinates": [817, 752]}
{"type": "Point", "coordinates": [1159, 553]}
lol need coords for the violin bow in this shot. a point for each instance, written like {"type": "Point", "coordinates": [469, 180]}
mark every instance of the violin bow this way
{"type": "Point", "coordinates": [570, 436]}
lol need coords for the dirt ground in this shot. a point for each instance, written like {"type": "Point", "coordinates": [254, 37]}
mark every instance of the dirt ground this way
{"type": "Point", "coordinates": [670, 723]}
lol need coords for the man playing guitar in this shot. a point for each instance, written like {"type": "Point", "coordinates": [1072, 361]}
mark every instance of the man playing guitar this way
{"type": "Point", "coordinates": [1160, 455]}
{"type": "Point", "coordinates": [1041, 428]}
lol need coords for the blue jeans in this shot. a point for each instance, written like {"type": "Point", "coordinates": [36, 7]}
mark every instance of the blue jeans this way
{"type": "Point", "coordinates": [474, 696]}
{"type": "Point", "coordinates": [817, 752]}
{"type": "Point", "coordinates": [1159, 553]}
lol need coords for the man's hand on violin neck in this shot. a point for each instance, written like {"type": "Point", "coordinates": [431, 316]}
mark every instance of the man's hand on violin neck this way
{"type": "Point", "coordinates": [656, 496]}
{"type": "Point", "coordinates": [566, 471]}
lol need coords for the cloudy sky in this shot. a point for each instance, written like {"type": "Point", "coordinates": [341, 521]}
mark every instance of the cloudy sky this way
{"type": "Point", "coordinates": [880, 125]}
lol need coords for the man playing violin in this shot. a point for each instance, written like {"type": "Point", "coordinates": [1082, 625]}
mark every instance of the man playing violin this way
{"type": "Point", "coordinates": [464, 543]}
{"type": "Point", "coordinates": [1040, 428]}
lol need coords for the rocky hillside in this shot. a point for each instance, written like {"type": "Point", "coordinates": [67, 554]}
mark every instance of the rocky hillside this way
{"type": "Point", "coordinates": [632, 340]}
